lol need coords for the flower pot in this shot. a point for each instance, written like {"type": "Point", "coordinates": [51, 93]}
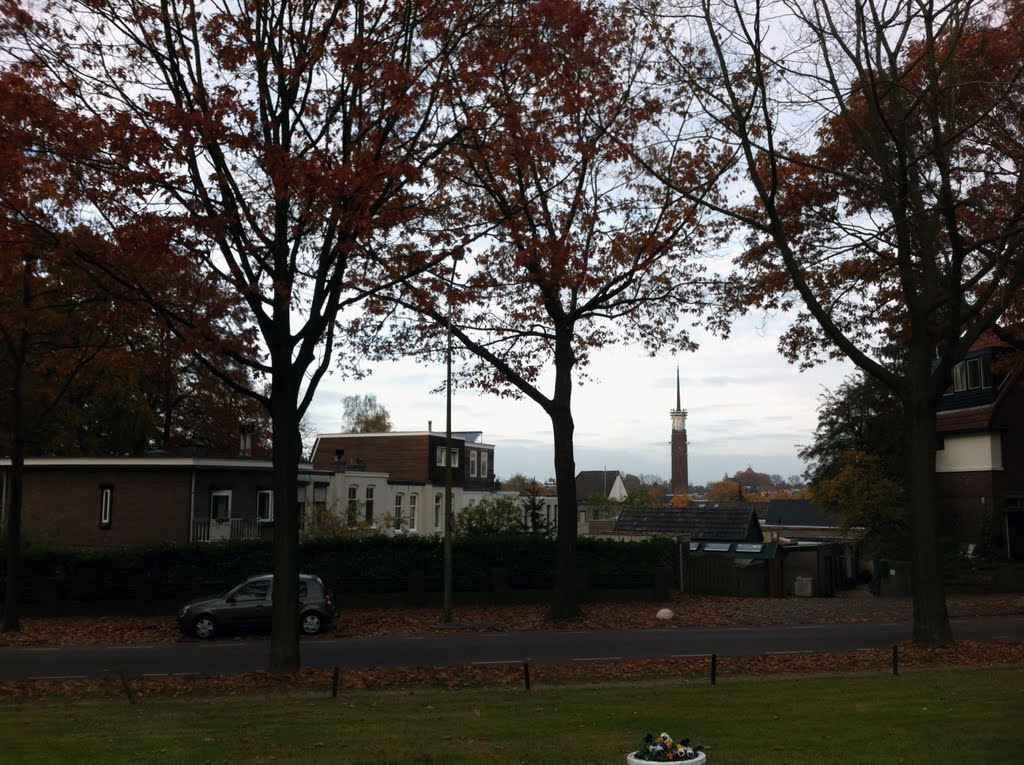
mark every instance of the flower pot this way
{"type": "Point", "coordinates": [700, 759]}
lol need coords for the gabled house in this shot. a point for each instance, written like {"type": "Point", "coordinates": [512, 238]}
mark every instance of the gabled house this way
{"type": "Point", "coordinates": [110, 502]}
{"type": "Point", "coordinates": [980, 430]}
{"type": "Point", "coordinates": [603, 484]}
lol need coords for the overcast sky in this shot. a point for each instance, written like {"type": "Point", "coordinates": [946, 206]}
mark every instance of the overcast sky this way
{"type": "Point", "coordinates": [745, 407]}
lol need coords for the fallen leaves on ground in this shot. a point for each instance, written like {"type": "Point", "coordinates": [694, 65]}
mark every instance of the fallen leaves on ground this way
{"type": "Point", "coordinates": [690, 611]}
{"type": "Point", "coordinates": [690, 670]}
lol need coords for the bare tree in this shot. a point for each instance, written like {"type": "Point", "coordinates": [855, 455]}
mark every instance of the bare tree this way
{"type": "Point", "coordinates": [882, 141]}
{"type": "Point", "coordinates": [585, 250]}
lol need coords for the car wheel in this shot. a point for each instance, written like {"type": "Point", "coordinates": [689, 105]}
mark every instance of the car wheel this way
{"type": "Point", "coordinates": [311, 624]}
{"type": "Point", "coordinates": [203, 627]}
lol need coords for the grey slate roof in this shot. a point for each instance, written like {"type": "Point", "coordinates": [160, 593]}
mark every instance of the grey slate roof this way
{"type": "Point", "coordinates": [717, 521]}
{"type": "Point", "coordinates": [590, 482]}
{"type": "Point", "coordinates": [796, 512]}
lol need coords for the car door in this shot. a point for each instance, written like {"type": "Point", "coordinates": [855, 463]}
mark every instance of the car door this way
{"type": "Point", "coordinates": [303, 597]}
{"type": "Point", "coordinates": [248, 607]}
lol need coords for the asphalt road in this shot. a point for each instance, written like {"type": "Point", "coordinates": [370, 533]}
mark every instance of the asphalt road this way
{"type": "Point", "coordinates": [228, 656]}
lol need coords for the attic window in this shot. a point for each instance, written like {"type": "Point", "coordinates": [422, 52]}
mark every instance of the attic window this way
{"type": "Point", "coordinates": [717, 546]}
{"type": "Point", "coordinates": [971, 375]}
{"type": "Point", "coordinates": [454, 457]}
{"type": "Point", "coordinates": [749, 547]}
{"type": "Point", "coordinates": [694, 546]}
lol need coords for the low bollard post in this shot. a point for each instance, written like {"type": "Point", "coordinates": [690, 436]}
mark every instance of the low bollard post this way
{"type": "Point", "coordinates": [714, 667]}
{"type": "Point", "coordinates": [895, 659]}
{"type": "Point", "coordinates": [526, 674]}
{"type": "Point", "coordinates": [334, 684]}
{"type": "Point", "coordinates": [127, 688]}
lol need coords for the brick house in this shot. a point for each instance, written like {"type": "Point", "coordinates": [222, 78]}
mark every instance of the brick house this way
{"type": "Point", "coordinates": [980, 452]}
{"type": "Point", "coordinates": [397, 479]}
{"type": "Point", "coordinates": [127, 501]}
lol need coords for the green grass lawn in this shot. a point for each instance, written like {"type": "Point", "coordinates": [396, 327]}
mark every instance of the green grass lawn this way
{"type": "Point", "coordinates": [927, 716]}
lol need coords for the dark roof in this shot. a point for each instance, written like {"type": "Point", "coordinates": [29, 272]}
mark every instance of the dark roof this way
{"type": "Point", "coordinates": [976, 410]}
{"type": "Point", "coordinates": [796, 512]}
{"type": "Point", "coordinates": [701, 522]}
{"type": "Point", "coordinates": [590, 482]}
{"type": "Point", "coordinates": [959, 420]}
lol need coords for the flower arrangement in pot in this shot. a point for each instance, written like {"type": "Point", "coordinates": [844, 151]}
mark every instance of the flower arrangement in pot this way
{"type": "Point", "coordinates": [663, 749]}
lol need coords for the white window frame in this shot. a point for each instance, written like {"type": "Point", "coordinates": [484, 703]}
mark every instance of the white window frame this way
{"type": "Point", "coordinates": [485, 471]}
{"type": "Point", "coordinates": [438, 510]}
{"type": "Point", "coordinates": [399, 509]}
{"type": "Point", "coordinates": [413, 502]}
{"type": "Point", "coordinates": [965, 370]}
{"type": "Point", "coordinates": [440, 457]}
{"type": "Point", "coordinates": [214, 496]}
{"type": "Point", "coordinates": [352, 505]}
{"type": "Point", "coordinates": [368, 495]}
{"type": "Point", "coordinates": [265, 506]}
{"type": "Point", "coordinates": [106, 505]}
{"type": "Point", "coordinates": [472, 463]}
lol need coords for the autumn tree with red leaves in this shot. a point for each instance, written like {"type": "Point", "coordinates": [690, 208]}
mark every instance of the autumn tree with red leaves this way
{"type": "Point", "coordinates": [80, 374]}
{"type": "Point", "coordinates": [883, 142]}
{"type": "Point", "coordinates": [583, 250]}
{"type": "Point", "coordinates": [54, 319]}
{"type": "Point", "coordinates": [280, 150]}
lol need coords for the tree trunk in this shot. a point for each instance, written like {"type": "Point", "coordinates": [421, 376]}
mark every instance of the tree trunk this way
{"type": "Point", "coordinates": [12, 546]}
{"type": "Point", "coordinates": [931, 619]}
{"type": "Point", "coordinates": [12, 524]}
{"type": "Point", "coordinates": [564, 600]}
{"type": "Point", "coordinates": [287, 450]}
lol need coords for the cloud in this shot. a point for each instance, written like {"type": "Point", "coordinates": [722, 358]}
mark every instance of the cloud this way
{"type": "Point", "coordinates": [745, 406]}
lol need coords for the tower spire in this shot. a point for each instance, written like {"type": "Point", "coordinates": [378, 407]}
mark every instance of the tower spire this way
{"type": "Point", "coordinates": [680, 471]}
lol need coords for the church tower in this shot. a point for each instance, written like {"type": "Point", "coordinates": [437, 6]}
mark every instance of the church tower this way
{"type": "Point", "coordinates": [680, 477]}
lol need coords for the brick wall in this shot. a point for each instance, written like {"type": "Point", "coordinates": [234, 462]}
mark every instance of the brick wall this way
{"type": "Point", "coordinates": [62, 506]}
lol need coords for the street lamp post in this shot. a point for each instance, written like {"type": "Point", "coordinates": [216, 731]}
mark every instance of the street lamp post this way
{"type": "Point", "coordinates": [456, 257]}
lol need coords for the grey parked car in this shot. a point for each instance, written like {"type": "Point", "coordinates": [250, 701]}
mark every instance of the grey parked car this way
{"type": "Point", "coordinates": [247, 608]}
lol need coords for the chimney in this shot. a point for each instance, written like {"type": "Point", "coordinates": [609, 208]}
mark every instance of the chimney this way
{"type": "Point", "coordinates": [430, 426]}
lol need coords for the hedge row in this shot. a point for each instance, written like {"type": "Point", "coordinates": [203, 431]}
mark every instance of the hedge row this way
{"type": "Point", "coordinates": [363, 565]}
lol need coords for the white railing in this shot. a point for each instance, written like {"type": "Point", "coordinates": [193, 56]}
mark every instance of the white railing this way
{"type": "Point", "coordinates": [217, 531]}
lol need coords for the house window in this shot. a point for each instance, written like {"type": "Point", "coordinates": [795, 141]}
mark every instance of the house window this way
{"type": "Point", "coordinates": [440, 457]}
{"type": "Point", "coordinates": [472, 463]}
{"type": "Point", "coordinates": [413, 498]}
{"type": "Point", "coordinates": [484, 465]}
{"type": "Point", "coordinates": [971, 375]}
{"type": "Point", "coordinates": [220, 505]}
{"type": "Point", "coordinates": [399, 500]}
{"type": "Point", "coordinates": [320, 496]}
{"type": "Point", "coordinates": [106, 504]}
{"type": "Point", "coordinates": [353, 505]}
{"type": "Point", "coordinates": [438, 509]}
{"type": "Point", "coordinates": [369, 504]}
{"type": "Point", "coordinates": [264, 506]}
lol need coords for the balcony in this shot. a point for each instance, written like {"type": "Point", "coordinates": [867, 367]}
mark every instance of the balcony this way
{"type": "Point", "coordinates": [205, 530]}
